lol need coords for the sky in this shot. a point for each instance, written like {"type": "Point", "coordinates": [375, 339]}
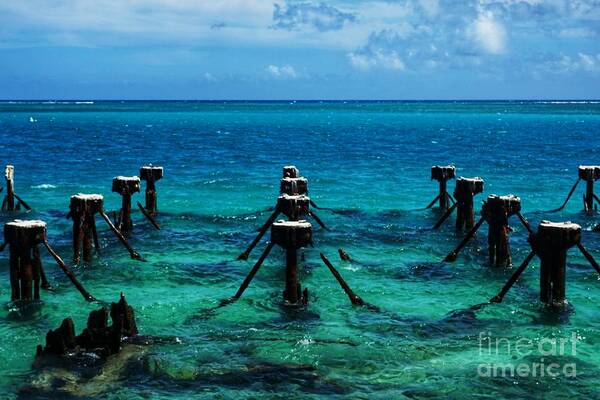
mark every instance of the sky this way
{"type": "Point", "coordinates": [284, 49]}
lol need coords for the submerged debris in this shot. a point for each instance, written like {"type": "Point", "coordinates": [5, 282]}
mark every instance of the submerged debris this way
{"type": "Point", "coordinates": [97, 338]}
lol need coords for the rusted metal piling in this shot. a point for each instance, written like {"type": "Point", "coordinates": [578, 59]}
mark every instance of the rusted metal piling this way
{"type": "Point", "coordinates": [9, 204]}
{"type": "Point", "coordinates": [26, 270]}
{"type": "Point", "coordinates": [465, 191]}
{"type": "Point", "coordinates": [126, 186]}
{"type": "Point", "coordinates": [9, 200]}
{"type": "Point", "coordinates": [151, 174]}
{"type": "Point", "coordinates": [291, 236]}
{"type": "Point", "coordinates": [496, 211]}
{"type": "Point", "coordinates": [295, 207]}
{"type": "Point", "coordinates": [290, 171]}
{"type": "Point", "coordinates": [551, 243]}
{"type": "Point", "coordinates": [25, 265]}
{"type": "Point", "coordinates": [293, 203]}
{"type": "Point", "coordinates": [82, 210]}
{"type": "Point", "coordinates": [589, 174]}
{"type": "Point", "coordinates": [294, 186]}
{"type": "Point", "coordinates": [442, 173]}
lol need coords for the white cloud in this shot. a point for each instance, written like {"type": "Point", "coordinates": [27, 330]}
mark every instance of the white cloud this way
{"type": "Point", "coordinates": [96, 23]}
{"type": "Point", "coordinates": [323, 17]}
{"type": "Point", "coordinates": [208, 77]}
{"type": "Point", "coordinates": [577, 33]}
{"type": "Point", "coordinates": [565, 64]}
{"type": "Point", "coordinates": [365, 60]}
{"type": "Point", "coordinates": [588, 62]}
{"type": "Point", "coordinates": [282, 72]}
{"type": "Point", "coordinates": [431, 8]}
{"type": "Point", "coordinates": [489, 34]}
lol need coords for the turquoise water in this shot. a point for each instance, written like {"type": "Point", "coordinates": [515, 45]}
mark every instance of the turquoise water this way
{"type": "Point", "coordinates": [370, 163]}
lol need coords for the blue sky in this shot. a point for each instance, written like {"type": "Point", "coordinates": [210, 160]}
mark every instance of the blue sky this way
{"type": "Point", "coordinates": [265, 49]}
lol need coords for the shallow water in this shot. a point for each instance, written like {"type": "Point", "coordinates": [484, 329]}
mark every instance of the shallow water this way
{"type": "Point", "coordinates": [369, 162]}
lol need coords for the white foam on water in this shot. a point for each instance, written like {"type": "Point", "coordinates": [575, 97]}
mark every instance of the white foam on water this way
{"type": "Point", "coordinates": [44, 186]}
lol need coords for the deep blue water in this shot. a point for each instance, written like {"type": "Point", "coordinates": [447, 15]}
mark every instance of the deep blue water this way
{"type": "Point", "coordinates": [369, 161]}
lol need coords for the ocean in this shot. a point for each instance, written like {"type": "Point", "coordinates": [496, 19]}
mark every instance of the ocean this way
{"type": "Point", "coordinates": [368, 165]}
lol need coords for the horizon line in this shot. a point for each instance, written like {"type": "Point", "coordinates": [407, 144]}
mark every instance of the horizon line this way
{"type": "Point", "coordinates": [292, 100]}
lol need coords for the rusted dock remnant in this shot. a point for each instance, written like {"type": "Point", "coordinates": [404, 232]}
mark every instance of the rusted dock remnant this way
{"type": "Point", "coordinates": [551, 243]}
{"type": "Point", "coordinates": [97, 338]}
{"type": "Point", "coordinates": [26, 270]}
{"type": "Point", "coordinates": [9, 204]}
{"type": "Point", "coordinates": [496, 211]}
{"type": "Point", "coordinates": [126, 186]}
{"type": "Point", "coordinates": [464, 193]}
{"type": "Point", "coordinates": [82, 210]}
{"type": "Point", "coordinates": [293, 203]}
{"type": "Point", "coordinates": [589, 174]}
{"type": "Point", "coordinates": [442, 174]}
{"type": "Point", "coordinates": [151, 174]}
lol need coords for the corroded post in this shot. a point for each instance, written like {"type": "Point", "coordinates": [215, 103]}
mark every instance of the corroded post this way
{"type": "Point", "coordinates": [9, 200]}
{"type": "Point", "coordinates": [294, 186]}
{"type": "Point", "coordinates": [292, 235]}
{"type": "Point", "coordinates": [551, 243]}
{"type": "Point", "coordinates": [589, 173]}
{"type": "Point", "coordinates": [443, 173]}
{"type": "Point", "coordinates": [497, 210]}
{"type": "Point", "coordinates": [466, 189]}
{"type": "Point", "coordinates": [151, 174]}
{"type": "Point", "coordinates": [23, 238]}
{"type": "Point", "coordinates": [294, 207]}
{"type": "Point", "coordinates": [290, 171]}
{"type": "Point", "coordinates": [83, 208]}
{"type": "Point", "coordinates": [126, 186]}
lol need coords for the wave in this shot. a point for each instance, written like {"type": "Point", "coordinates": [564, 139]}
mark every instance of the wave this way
{"type": "Point", "coordinates": [44, 186]}
{"type": "Point", "coordinates": [46, 102]}
{"type": "Point", "coordinates": [568, 102]}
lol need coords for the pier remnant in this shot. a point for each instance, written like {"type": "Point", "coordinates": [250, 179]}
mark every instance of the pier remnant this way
{"type": "Point", "coordinates": [151, 174]}
{"type": "Point", "coordinates": [290, 171]}
{"type": "Point", "coordinates": [442, 173]}
{"type": "Point", "coordinates": [589, 174]}
{"type": "Point", "coordinates": [551, 243]}
{"type": "Point", "coordinates": [496, 211]}
{"type": "Point", "coordinates": [295, 207]}
{"type": "Point", "coordinates": [26, 270]}
{"type": "Point", "coordinates": [293, 203]}
{"type": "Point", "coordinates": [294, 186]}
{"type": "Point", "coordinates": [291, 236]}
{"type": "Point", "coordinates": [126, 186]}
{"type": "Point", "coordinates": [82, 210]}
{"type": "Point", "coordinates": [9, 199]}
{"type": "Point", "coordinates": [8, 204]}
{"type": "Point", "coordinates": [465, 191]}
{"type": "Point", "coordinates": [97, 338]}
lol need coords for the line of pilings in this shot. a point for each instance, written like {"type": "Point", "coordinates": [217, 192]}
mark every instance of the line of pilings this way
{"type": "Point", "coordinates": [550, 242]}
